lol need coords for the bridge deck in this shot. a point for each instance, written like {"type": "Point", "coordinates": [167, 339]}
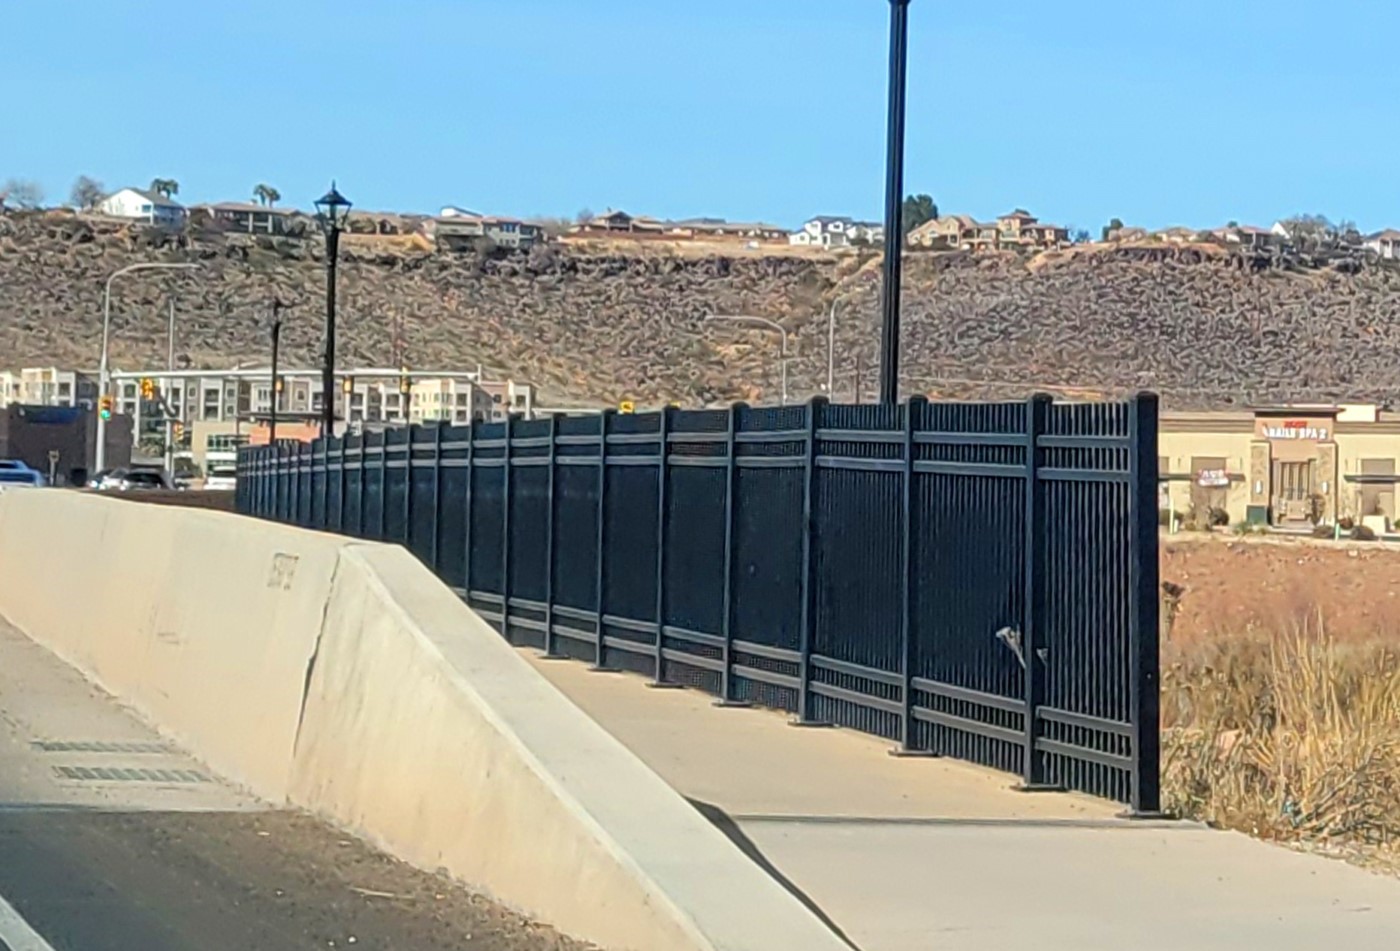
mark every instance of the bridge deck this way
{"type": "Point", "coordinates": [906, 854]}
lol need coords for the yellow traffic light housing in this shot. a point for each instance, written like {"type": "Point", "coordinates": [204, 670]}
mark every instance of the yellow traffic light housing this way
{"type": "Point", "coordinates": [148, 388]}
{"type": "Point", "coordinates": [104, 407]}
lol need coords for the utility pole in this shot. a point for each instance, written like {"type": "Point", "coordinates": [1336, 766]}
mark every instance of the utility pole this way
{"type": "Point", "coordinates": [169, 376]}
{"type": "Point", "coordinates": [277, 306]}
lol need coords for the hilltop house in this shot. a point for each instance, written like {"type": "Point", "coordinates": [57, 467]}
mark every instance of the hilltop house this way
{"type": "Point", "coordinates": [246, 217]}
{"type": "Point", "coordinates": [837, 231]}
{"type": "Point", "coordinates": [954, 232]}
{"type": "Point", "coordinates": [641, 226]}
{"type": "Point", "coordinates": [1018, 229]}
{"type": "Point", "coordinates": [618, 222]}
{"type": "Point", "coordinates": [136, 204]}
{"type": "Point", "coordinates": [1384, 243]}
{"type": "Point", "coordinates": [463, 232]}
{"type": "Point", "coordinates": [720, 229]}
{"type": "Point", "coordinates": [1248, 236]}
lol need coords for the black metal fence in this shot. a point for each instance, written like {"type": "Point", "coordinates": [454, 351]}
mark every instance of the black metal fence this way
{"type": "Point", "coordinates": [969, 580]}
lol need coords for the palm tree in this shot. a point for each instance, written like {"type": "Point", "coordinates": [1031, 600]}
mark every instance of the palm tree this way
{"type": "Point", "coordinates": [266, 195]}
{"type": "Point", "coordinates": [166, 187]}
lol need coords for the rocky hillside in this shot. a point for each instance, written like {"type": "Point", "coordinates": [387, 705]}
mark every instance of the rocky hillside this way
{"type": "Point", "coordinates": [1203, 327]}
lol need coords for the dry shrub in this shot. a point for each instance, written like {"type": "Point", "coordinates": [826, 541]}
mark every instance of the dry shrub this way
{"type": "Point", "coordinates": [1295, 738]}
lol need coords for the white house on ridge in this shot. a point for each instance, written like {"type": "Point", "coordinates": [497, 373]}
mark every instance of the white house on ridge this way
{"type": "Point", "coordinates": [135, 204]}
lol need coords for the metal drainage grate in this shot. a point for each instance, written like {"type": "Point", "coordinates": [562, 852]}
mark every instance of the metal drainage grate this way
{"type": "Point", "coordinates": [117, 774]}
{"type": "Point", "coordinates": [98, 746]}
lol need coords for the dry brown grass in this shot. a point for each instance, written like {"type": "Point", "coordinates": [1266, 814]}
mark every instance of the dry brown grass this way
{"type": "Point", "coordinates": [1294, 738]}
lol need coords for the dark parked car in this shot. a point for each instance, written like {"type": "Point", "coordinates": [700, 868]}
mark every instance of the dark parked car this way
{"type": "Point", "coordinates": [131, 480]}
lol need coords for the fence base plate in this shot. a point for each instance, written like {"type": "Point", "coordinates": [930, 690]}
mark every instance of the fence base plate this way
{"type": "Point", "coordinates": [603, 669]}
{"type": "Point", "coordinates": [1038, 787]}
{"type": "Point", "coordinates": [810, 724]}
{"type": "Point", "coordinates": [664, 685]}
{"type": "Point", "coordinates": [734, 704]}
{"type": "Point", "coordinates": [1146, 816]}
{"type": "Point", "coordinates": [900, 752]}
{"type": "Point", "coordinates": [547, 656]}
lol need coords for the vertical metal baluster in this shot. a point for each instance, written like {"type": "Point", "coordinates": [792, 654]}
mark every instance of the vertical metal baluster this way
{"type": "Point", "coordinates": [731, 469]}
{"type": "Point", "coordinates": [600, 655]}
{"type": "Point", "coordinates": [658, 676]}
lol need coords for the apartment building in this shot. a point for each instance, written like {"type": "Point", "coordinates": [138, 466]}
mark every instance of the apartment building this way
{"type": "Point", "coordinates": [48, 386]}
{"type": "Point", "coordinates": [446, 400]}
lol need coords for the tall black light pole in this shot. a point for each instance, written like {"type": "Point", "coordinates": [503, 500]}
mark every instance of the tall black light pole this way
{"type": "Point", "coordinates": [277, 306]}
{"type": "Point", "coordinates": [331, 211]}
{"type": "Point", "coordinates": [894, 204]}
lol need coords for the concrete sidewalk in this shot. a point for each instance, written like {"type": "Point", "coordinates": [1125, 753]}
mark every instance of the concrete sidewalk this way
{"type": "Point", "coordinates": [915, 854]}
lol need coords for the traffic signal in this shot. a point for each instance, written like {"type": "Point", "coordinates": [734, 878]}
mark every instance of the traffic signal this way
{"type": "Point", "coordinates": [347, 385]}
{"type": "Point", "coordinates": [177, 432]}
{"type": "Point", "coordinates": [404, 385]}
{"type": "Point", "coordinates": [277, 385]}
{"type": "Point", "coordinates": [627, 406]}
{"type": "Point", "coordinates": [104, 407]}
{"type": "Point", "coordinates": [148, 388]}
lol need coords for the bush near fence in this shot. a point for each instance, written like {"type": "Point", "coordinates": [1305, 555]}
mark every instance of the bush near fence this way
{"type": "Point", "coordinates": [976, 580]}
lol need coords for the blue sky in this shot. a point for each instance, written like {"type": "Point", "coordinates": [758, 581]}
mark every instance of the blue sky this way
{"type": "Point", "coordinates": [1186, 112]}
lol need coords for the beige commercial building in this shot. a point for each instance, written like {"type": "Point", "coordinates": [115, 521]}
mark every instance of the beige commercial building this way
{"type": "Point", "coordinates": [1286, 466]}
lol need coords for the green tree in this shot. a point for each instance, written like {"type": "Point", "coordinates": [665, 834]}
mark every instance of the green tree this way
{"type": "Point", "coordinates": [1114, 225]}
{"type": "Point", "coordinates": [166, 187]}
{"type": "Point", "coordinates": [266, 195]}
{"type": "Point", "coordinates": [86, 193]}
{"type": "Point", "coordinates": [917, 210]}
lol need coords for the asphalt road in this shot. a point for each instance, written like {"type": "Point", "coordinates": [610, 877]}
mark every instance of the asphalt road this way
{"type": "Point", "coordinates": [111, 839]}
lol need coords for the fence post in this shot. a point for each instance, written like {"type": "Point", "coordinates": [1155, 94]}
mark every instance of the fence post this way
{"type": "Point", "coordinates": [505, 531]}
{"type": "Point", "coordinates": [408, 487]}
{"type": "Point", "coordinates": [293, 515]}
{"type": "Point", "coordinates": [434, 554]}
{"type": "Point", "coordinates": [325, 519]}
{"type": "Point", "coordinates": [600, 654]}
{"type": "Point", "coordinates": [663, 434]}
{"type": "Point", "coordinates": [1033, 674]}
{"type": "Point", "coordinates": [340, 477]}
{"type": "Point", "coordinates": [731, 468]}
{"type": "Point", "coordinates": [808, 586]}
{"type": "Point", "coordinates": [360, 529]}
{"type": "Point", "coordinates": [288, 476]}
{"type": "Point", "coordinates": [1144, 607]}
{"type": "Point", "coordinates": [468, 505]}
{"type": "Point", "coordinates": [383, 487]}
{"type": "Point", "coordinates": [271, 491]}
{"type": "Point", "coordinates": [908, 645]}
{"type": "Point", "coordinates": [550, 642]}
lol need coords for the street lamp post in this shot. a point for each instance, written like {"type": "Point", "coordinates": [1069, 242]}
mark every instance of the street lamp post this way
{"type": "Point", "coordinates": [277, 306]}
{"type": "Point", "coordinates": [100, 452]}
{"type": "Point", "coordinates": [331, 211]}
{"type": "Point", "coordinates": [766, 324]}
{"type": "Point", "coordinates": [894, 204]}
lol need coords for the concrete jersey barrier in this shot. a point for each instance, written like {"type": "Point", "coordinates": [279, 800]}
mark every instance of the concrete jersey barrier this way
{"type": "Point", "coordinates": [342, 677]}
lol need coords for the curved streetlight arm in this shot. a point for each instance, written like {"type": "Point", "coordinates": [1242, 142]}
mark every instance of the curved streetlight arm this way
{"type": "Point", "coordinates": [765, 324]}
{"type": "Point", "coordinates": [100, 451]}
